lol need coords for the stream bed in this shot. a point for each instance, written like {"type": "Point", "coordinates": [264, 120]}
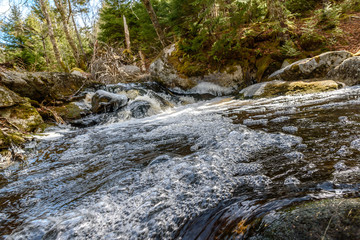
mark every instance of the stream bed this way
{"type": "Point", "coordinates": [190, 172]}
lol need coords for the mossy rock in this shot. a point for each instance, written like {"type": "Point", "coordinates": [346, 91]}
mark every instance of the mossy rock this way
{"type": "Point", "coordinates": [23, 116]}
{"type": "Point", "coordinates": [325, 219]}
{"type": "Point", "coordinates": [11, 137]}
{"type": "Point", "coordinates": [70, 111]}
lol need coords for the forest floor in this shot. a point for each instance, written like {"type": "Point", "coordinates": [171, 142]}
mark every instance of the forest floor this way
{"type": "Point", "coordinates": [351, 37]}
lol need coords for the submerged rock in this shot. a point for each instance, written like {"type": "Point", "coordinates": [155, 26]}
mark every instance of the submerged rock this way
{"type": "Point", "coordinates": [316, 67]}
{"type": "Point", "coordinates": [103, 101]}
{"type": "Point", "coordinates": [347, 72]}
{"type": "Point", "coordinates": [164, 71]}
{"type": "Point", "coordinates": [139, 108]}
{"type": "Point", "coordinates": [325, 219]}
{"type": "Point", "coordinates": [278, 88]}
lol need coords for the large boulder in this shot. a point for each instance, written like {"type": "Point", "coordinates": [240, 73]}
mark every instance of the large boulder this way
{"type": "Point", "coordinates": [42, 86]}
{"type": "Point", "coordinates": [8, 98]}
{"type": "Point", "coordinates": [104, 101]}
{"type": "Point", "coordinates": [347, 72]}
{"type": "Point", "coordinates": [278, 88]}
{"type": "Point", "coordinates": [163, 70]}
{"type": "Point", "coordinates": [311, 68]}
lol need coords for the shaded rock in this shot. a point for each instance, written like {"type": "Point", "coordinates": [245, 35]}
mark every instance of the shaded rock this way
{"type": "Point", "coordinates": [347, 72]}
{"type": "Point", "coordinates": [164, 71]}
{"type": "Point", "coordinates": [139, 108]}
{"type": "Point", "coordinates": [310, 68]}
{"type": "Point", "coordinates": [23, 116]}
{"type": "Point", "coordinates": [278, 88]}
{"type": "Point", "coordinates": [42, 86]}
{"type": "Point", "coordinates": [325, 219]}
{"type": "Point", "coordinates": [8, 98]}
{"type": "Point", "coordinates": [103, 101]}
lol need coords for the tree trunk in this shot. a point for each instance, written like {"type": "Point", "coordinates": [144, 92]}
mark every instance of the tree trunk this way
{"type": "Point", "coordinates": [44, 9]}
{"type": "Point", "coordinates": [77, 33]}
{"type": "Point", "coordinates": [155, 21]}
{"type": "Point", "coordinates": [71, 41]}
{"type": "Point", "coordinates": [142, 59]}
{"type": "Point", "coordinates": [127, 34]}
{"type": "Point", "coordinates": [45, 53]}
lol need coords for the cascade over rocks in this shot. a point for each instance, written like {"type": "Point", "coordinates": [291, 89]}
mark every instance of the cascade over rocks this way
{"type": "Point", "coordinates": [310, 68]}
{"type": "Point", "coordinates": [163, 70]}
{"type": "Point", "coordinates": [139, 108]}
{"type": "Point", "coordinates": [103, 101]}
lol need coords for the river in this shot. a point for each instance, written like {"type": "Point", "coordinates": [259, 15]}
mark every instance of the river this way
{"type": "Point", "coordinates": [188, 172]}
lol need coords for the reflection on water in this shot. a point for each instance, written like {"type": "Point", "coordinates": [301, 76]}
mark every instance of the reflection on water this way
{"type": "Point", "coordinates": [203, 170]}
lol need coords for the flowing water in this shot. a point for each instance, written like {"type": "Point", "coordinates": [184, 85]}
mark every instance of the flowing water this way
{"type": "Point", "coordinates": [193, 171]}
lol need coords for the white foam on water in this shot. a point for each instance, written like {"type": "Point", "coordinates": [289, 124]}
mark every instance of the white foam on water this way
{"type": "Point", "coordinates": [211, 88]}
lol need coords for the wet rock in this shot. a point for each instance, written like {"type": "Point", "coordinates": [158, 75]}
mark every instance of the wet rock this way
{"type": "Point", "coordinates": [42, 86]}
{"type": "Point", "coordinates": [164, 71]}
{"type": "Point", "coordinates": [139, 109]}
{"type": "Point", "coordinates": [347, 72]}
{"type": "Point", "coordinates": [325, 219]}
{"type": "Point", "coordinates": [23, 116]}
{"type": "Point", "coordinates": [310, 68]}
{"type": "Point", "coordinates": [8, 98]}
{"type": "Point", "coordinates": [103, 101]}
{"type": "Point", "coordinates": [278, 88]}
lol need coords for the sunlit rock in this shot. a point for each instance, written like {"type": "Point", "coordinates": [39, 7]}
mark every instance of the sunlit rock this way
{"type": "Point", "coordinates": [278, 88]}
{"type": "Point", "coordinates": [316, 67]}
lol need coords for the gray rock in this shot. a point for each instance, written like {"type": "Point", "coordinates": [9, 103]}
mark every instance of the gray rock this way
{"type": "Point", "coordinates": [310, 68]}
{"type": "Point", "coordinates": [162, 70]}
{"type": "Point", "coordinates": [42, 86]}
{"type": "Point", "coordinates": [347, 72]}
{"type": "Point", "coordinates": [103, 101]}
{"type": "Point", "coordinates": [8, 98]}
{"type": "Point", "coordinates": [139, 108]}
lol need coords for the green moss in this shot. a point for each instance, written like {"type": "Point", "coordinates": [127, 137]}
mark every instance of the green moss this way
{"type": "Point", "coordinates": [69, 111]}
